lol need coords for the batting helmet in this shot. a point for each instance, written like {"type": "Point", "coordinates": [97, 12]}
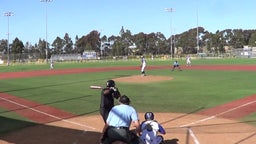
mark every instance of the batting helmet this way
{"type": "Point", "coordinates": [149, 116]}
{"type": "Point", "coordinates": [110, 83]}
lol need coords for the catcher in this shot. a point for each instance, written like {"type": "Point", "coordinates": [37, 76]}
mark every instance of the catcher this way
{"type": "Point", "coordinates": [150, 129]}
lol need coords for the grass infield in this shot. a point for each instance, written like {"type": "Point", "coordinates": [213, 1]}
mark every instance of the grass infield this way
{"type": "Point", "coordinates": [188, 92]}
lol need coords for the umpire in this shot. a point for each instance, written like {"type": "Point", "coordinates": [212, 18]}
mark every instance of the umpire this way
{"type": "Point", "coordinates": [107, 98]}
{"type": "Point", "coordinates": [118, 123]}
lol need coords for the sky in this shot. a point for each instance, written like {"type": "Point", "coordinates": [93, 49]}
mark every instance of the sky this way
{"type": "Point", "coordinates": [80, 17]}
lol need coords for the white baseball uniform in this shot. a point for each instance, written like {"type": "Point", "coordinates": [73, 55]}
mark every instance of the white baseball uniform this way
{"type": "Point", "coordinates": [143, 65]}
{"type": "Point", "coordinates": [188, 60]}
{"type": "Point", "coordinates": [51, 65]}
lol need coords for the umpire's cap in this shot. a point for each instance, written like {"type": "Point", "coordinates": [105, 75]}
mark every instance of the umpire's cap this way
{"type": "Point", "coordinates": [124, 100]}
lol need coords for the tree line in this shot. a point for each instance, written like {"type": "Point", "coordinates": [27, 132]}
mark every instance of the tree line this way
{"type": "Point", "coordinates": [125, 44]}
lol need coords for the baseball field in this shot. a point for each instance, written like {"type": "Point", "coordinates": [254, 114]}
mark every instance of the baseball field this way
{"type": "Point", "coordinates": [211, 102]}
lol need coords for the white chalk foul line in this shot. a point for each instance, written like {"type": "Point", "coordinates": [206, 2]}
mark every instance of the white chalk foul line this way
{"type": "Point", "coordinates": [44, 113]}
{"type": "Point", "coordinates": [193, 136]}
{"type": "Point", "coordinates": [214, 116]}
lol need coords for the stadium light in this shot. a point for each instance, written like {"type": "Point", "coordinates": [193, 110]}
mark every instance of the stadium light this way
{"type": "Point", "coordinates": [171, 10]}
{"type": "Point", "coordinates": [46, 33]}
{"type": "Point", "coordinates": [8, 14]}
{"type": "Point", "coordinates": [197, 32]}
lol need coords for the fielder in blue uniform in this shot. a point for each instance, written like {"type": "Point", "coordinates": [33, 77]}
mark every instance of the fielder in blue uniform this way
{"type": "Point", "coordinates": [176, 65]}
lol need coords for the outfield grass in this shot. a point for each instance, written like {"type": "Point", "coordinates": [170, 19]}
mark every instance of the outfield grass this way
{"type": "Point", "coordinates": [112, 63]}
{"type": "Point", "coordinates": [188, 92]}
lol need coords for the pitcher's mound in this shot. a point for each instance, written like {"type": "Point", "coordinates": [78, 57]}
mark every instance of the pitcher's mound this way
{"type": "Point", "coordinates": [143, 79]}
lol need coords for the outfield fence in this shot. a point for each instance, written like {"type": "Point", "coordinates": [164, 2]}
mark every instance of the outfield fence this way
{"type": "Point", "coordinates": [37, 57]}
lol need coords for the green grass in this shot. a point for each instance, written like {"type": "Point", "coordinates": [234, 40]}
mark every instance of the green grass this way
{"type": "Point", "coordinates": [188, 92]}
{"type": "Point", "coordinates": [112, 63]}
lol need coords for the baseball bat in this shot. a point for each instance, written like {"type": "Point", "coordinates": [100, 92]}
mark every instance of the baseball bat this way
{"type": "Point", "coordinates": [95, 87]}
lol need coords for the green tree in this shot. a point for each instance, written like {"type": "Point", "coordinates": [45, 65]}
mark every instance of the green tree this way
{"type": "Point", "coordinates": [3, 46]}
{"type": "Point", "coordinates": [41, 48]}
{"type": "Point", "coordinates": [17, 48]}
{"type": "Point", "coordinates": [161, 46]}
{"type": "Point", "coordinates": [68, 44]}
{"type": "Point", "coordinates": [76, 48]}
{"type": "Point", "coordinates": [58, 46]}
{"type": "Point", "coordinates": [252, 40]}
{"type": "Point", "coordinates": [237, 39]}
{"type": "Point", "coordinates": [116, 45]}
{"type": "Point", "coordinates": [89, 42]}
{"type": "Point", "coordinates": [207, 41]}
{"type": "Point", "coordinates": [141, 42]}
{"type": "Point", "coordinates": [126, 41]}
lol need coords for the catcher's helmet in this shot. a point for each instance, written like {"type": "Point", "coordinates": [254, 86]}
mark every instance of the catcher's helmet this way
{"type": "Point", "coordinates": [110, 83]}
{"type": "Point", "coordinates": [149, 116]}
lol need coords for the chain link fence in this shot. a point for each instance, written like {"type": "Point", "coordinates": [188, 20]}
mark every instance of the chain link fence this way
{"type": "Point", "coordinates": [244, 52]}
{"type": "Point", "coordinates": [37, 57]}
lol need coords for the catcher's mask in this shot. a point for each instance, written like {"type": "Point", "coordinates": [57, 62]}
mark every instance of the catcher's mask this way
{"type": "Point", "coordinates": [149, 116]}
{"type": "Point", "coordinates": [110, 83]}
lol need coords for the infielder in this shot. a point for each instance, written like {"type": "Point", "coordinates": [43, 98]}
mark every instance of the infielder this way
{"type": "Point", "coordinates": [150, 129]}
{"type": "Point", "coordinates": [143, 66]}
{"type": "Point", "coordinates": [51, 65]}
{"type": "Point", "coordinates": [176, 65]}
{"type": "Point", "coordinates": [188, 60]}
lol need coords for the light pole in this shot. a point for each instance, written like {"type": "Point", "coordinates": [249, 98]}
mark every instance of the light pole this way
{"type": "Point", "coordinates": [197, 33]}
{"type": "Point", "coordinates": [8, 14]}
{"type": "Point", "coordinates": [46, 32]}
{"type": "Point", "coordinates": [101, 45]}
{"type": "Point", "coordinates": [170, 10]}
